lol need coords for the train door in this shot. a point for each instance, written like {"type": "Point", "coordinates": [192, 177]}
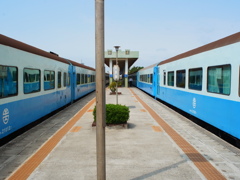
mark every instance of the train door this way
{"type": "Point", "coordinates": [72, 82]}
{"type": "Point", "coordinates": [60, 95]}
{"type": "Point", "coordinates": [137, 79]}
{"type": "Point", "coordinates": [162, 91]}
{"type": "Point", "coordinates": [158, 82]}
{"type": "Point", "coordinates": [155, 81]}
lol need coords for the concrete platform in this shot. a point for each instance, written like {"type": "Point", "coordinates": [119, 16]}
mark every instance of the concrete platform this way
{"type": "Point", "coordinates": [143, 151]}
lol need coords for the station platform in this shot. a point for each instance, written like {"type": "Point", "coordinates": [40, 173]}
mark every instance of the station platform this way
{"type": "Point", "coordinates": [158, 144]}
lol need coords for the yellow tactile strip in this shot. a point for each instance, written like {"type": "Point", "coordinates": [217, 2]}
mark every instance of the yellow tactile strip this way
{"type": "Point", "coordinates": [25, 170]}
{"type": "Point", "coordinates": [156, 128]}
{"type": "Point", "coordinates": [76, 129]}
{"type": "Point", "coordinates": [200, 162]}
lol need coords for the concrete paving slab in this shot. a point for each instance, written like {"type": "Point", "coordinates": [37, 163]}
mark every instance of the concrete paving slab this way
{"type": "Point", "coordinates": [139, 152]}
{"type": "Point", "coordinates": [135, 153]}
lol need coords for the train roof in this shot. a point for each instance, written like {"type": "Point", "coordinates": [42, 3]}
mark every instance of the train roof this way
{"type": "Point", "coordinates": [25, 47]}
{"type": "Point", "coordinates": [234, 38]}
{"type": "Point", "coordinates": [151, 66]}
{"type": "Point", "coordinates": [81, 65]}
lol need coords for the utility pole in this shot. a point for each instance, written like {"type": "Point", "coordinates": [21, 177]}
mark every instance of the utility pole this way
{"type": "Point", "coordinates": [100, 90]}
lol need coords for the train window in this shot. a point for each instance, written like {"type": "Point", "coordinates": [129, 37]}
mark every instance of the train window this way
{"type": "Point", "coordinates": [82, 78]}
{"type": "Point", "coordinates": [145, 78]}
{"type": "Point", "coordinates": [31, 80]}
{"type": "Point", "coordinates": [8, 81]}
{"type": "Point", "coordinates": [59, 79]}
{"type": "Point", "coordinates": [49, 80]}
{"type": "Point", "coordinates": [164, 78]}
{"type": "Point", "coordinates": [68, 79]}
{"type": "Point", "coordinates": [219, 79]}
{"type": "Point", "coordinates": [195, 79]}
{"type": "Point", "coordinates": [181, 75]}
{"type": "Point", "coordinates": [150, 78]}
{"type": "Point", "coordinates": [78, 79]}
{"type": "Point", "coordinates": [65, 79]}
{"type": "Point", "coordinates": [85, 78]}
{"type": "Point", "coordinates": [171, 78]}
{"type": "Point", "coordinates": [92, 78]}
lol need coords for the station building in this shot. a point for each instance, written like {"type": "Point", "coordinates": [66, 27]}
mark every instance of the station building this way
{"type": "Point", "coordinates": [125, 60]}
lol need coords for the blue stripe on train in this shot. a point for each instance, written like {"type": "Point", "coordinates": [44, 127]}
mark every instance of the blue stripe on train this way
{"type": "Point", "coordinates": [146, 87]}
{"type": "Point", "coordinates": [18, 114]}
{"type": "Point", "coordinates": [221, 113]}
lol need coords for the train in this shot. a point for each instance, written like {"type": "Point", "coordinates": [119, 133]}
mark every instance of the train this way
{"type": "Point", "coordinates": [34, 83]}
{"type": "Point", "coordinates": [203, 82]}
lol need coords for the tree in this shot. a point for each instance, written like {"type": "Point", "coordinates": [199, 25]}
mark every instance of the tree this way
{"type": "Point", "coordinates": [134, 69]}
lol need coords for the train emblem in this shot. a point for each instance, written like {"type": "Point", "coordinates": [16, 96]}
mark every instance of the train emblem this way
{"type": "Point", "coordinates": [5, 116]}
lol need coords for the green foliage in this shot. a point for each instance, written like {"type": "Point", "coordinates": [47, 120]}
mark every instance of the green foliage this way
{"type": "Point", "coordinates": [134, 69]}
{"type": "Point", "coordinates": [113, 87]}
{"type": "Point", "coordinates": [115, 114]}
{"type": "Point", "coordinates": [119, 83]}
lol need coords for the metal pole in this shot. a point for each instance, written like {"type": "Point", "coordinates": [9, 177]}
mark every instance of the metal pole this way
{"type": "Point", "coordinates": [117, 81]}
{"type": "Point", "coordinates": [100, 90]}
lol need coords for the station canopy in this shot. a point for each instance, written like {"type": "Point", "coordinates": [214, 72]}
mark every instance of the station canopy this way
{"type": "Point", "coordinates": [131, 56]}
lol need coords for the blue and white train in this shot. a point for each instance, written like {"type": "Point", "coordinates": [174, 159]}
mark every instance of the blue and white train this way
{"type": "Point", "coordinates": [34, 83]}
{"type": "Point", "coordinates": [204, 82]}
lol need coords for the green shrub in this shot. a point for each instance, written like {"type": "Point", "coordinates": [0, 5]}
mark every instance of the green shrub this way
{"type": "Point", "coordinates": [113, 87]}
{"type": "Point", "coordinates": [115, 114]}
{"type": "Point", "coordinates": [119, 83]}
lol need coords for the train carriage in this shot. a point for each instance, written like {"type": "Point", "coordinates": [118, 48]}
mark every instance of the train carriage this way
{"type": "Point", "coordinates": [134, 77]}
{"type": "Point", "coordinates": [204, 82]}
{"type": "Point", "coordinates": [147, 79]}
{"type": "Point", "coordinates": [34, 83]}
{"type": "Point", "coordinates": [84, 79]}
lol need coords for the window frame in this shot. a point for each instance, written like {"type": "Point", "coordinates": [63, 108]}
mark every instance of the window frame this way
{"type": "Point", "coordinates": [195, 79]}
{"type": "Point", "coordinates": [85, 78]}
{"type": "Point", "coordinates": [59, 79]}
{"type": "Point", "coordinates": [150, 78]}
{"type": "Point", "coordinates": [170, 83]}
{"type": "Point", "coordinates": [164, 78]}
{"type": "Point", "coordinates": [178, 82]}
{"type": "Point", "coordinates": [51, 81]}
{"type": "Point", "coordinates": [82, 78]}
{"type": "Point", "coordinates": [64, 79]}
{"type": "Point", "coordinates": [15, 79]}
{"type": "Point", "coordinates": [221, 91]}
{"type": "Point", "coordinates": [78, 79]}
{"type": "Point", "coordinates": [29, 81]}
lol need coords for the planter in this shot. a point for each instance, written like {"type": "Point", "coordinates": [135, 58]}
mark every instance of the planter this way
{"type": "Point", "coordinates": [117, 116]}
{"type": "Point", "coordinates": [114, 93]}
{"type": "Point", "coordinates": [113, 126]}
